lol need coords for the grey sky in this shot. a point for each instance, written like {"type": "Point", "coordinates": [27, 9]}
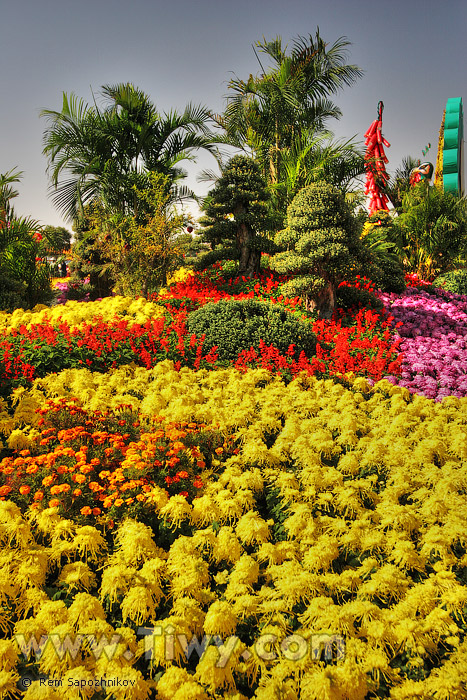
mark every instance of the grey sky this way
{"type": "Point", "coordinates": [412, 51]}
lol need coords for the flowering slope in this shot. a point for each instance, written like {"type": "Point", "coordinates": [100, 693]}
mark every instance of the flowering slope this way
{"type": "Point", "coordinates": [106, 334]}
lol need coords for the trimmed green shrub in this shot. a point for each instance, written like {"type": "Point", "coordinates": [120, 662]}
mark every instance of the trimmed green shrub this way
{"type": "Point", "coordinates": [239, 325]}
{"type": "Point", "coordinates": [455, 281]}
{"type": "Point", "coordinates": [12, 293]}
{"type": "Point", "coordinates": [388, 275]}
{"type": "Point", "coordinates": [351, 298]}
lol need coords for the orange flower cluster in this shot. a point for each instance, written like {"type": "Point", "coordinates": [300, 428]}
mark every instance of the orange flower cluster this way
{"type": "Point", "coordinates": [96, 464]}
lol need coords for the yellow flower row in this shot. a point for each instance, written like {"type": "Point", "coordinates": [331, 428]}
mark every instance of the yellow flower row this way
{"type": "Point", "coordinates": [74, 312]}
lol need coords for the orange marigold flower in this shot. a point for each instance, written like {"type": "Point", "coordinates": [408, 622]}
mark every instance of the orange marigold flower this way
{"type": "Point", "coordinates": [96, 511]}
{"type": "Point", "coordinates": [54, 502]}
{"type": "Point", "coordinates": [141, 497]}
{"type": "Point", "coordinates": [118, 501]}
{"type": "Point", "coordinates": [5, 490]}
{"type": "Point", "coordinates": [47, 480]}
{"type": "Point", "coordinates": [32, 469]}
{"type": "Point", "coordinates": [62, 469]}
{"type": "Point", "coordinates": [86, 510]}
{"type": "Point", "coordinates": [55, 490]}
{"type": "Point", "coordinates": [219, 450]}
{"type": "Point", "coordinates": [77, 492]}
{"type": "Point", "coordinates": [24, 490]}
{"type": "Point", "coordinates": [65, 488]}
{"type": "Point", "coordinates": [39, 495]}
{"type": "Point", "coordinates": [94, 486]}
{"type": "Point", "coordinates": [79, 478]}
{"type": "Point", "coordinates": [182, 475]}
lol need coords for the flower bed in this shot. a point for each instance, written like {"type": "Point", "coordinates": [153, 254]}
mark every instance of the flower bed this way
{"type": "Point", "coordinates": [255, 531]}
{"type": "Point", "coordinates": [106, 334]}
{"type": "Point", "coordinates": [433, 341]}
{"type": "Point", "coordinates": [325, 554]}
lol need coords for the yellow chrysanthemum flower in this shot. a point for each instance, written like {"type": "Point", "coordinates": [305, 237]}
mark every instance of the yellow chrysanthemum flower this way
{"type": "Point", "coordinates": [140, 604]}
{"type": "Point", "coordinates": [220, 619]}
{"type": "Point", "coordinates": [176, 511]}
{"type": "Point", "coordinates": [77, 576]}
{"type": "Point", "coordinates": [252, 529]}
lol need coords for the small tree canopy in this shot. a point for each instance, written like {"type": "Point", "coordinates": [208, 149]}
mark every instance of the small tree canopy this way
{"type": "Point", "coordinates": [236, 214]}
{"type": "Point", "coordinates": [320, 246]}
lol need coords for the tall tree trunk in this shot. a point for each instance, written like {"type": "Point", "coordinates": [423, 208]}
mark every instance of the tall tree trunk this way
{"type": "Point", "coordinates": [324, 302]}
{"type": "Point", "coordinates": [249, 257]}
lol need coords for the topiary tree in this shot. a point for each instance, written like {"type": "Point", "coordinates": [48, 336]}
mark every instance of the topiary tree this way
{"type": "Point", "coordinates": [236, 214]}
{"type": "Point", "coordinates": [235, 325]}
{"type": "Point", "coordinates": [320, 246]}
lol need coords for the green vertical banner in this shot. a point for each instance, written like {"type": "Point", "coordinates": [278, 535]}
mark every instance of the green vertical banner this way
{"type": "Point", "coordinates": [453, 147]}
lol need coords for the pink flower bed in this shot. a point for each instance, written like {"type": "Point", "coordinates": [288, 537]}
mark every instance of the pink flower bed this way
{"type": "Point", "coordinates": [433, 341]}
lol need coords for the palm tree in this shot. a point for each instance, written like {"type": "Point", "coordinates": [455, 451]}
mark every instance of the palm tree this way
{"type": "Point", "coordinates": [399, 185]}
{"type": "Point", "coordinates": [270, 112]}
{"type": "Point", "coordinates": [103, 154]}
{"type": "Point", "coordinates": [21, 269]}
{"type": "Point", "coordinates": [315, 157]}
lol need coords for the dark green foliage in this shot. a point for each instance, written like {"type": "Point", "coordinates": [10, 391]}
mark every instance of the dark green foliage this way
{"type": "Point", "coordinates": [102, 154]}
{"type": "Point", "coordinates": [88, 260]}
{"type": "Point", "coordinates": [190, 247]}
{"type": "Point", "coordinates": [55, 239]}
{"type": "Point", "coordinates": [388, 275]}
{"type": "Point", "coordinates": [239, 325]}
{"type": "Point", "coordinates": [431, 230]}
{"type": "Point", "coordinates": [455, 281]}
{"type": "Point", "coordinates": [351, 298]}
{"type": "Point", "coordinates": [381, 260]}
{"type": "Point", "coordinates": [21, 255]}
{"type": "Point", "coordinates": [11, 293]}
{"type": "Point", "coordinates": [320, 246]}
{"type": "Point", "coordinates": [236, 215]}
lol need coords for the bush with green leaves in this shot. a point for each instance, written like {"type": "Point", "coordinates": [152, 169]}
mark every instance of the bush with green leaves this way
{"type": "Point", "coordinates": [383, 264]}
{"type": "Point", "coordinates": [238, 325]}
{"type": "Point", "coordinates": [431, 231]}
{"type": "Point", "coordinates": [12, 293]}
{"type": "Point", "coordinates": [455, 281]}
{"type": "Point", "coordinates": [352, 298]}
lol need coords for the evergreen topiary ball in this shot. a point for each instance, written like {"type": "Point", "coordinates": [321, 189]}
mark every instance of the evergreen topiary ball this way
{"type": "Point", "coordinates": [239, 325]}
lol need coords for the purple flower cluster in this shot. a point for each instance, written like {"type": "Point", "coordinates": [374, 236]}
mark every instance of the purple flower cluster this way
{"type": "Point", "coordinates": [63, 288]}
{"type": "Point", "coordinates": [433, 341]}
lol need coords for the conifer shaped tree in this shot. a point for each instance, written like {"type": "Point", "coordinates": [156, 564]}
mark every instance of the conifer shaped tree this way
{"type": "Point", "coordinates": [320, 246]}
{"type": "Point", "coordinates": [236, 215]}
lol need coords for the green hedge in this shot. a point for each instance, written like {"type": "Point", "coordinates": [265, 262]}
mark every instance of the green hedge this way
{"type": "Point", "coordinates": [239, 325]}
{"type": "Point", "coordinates": [455, 281]}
